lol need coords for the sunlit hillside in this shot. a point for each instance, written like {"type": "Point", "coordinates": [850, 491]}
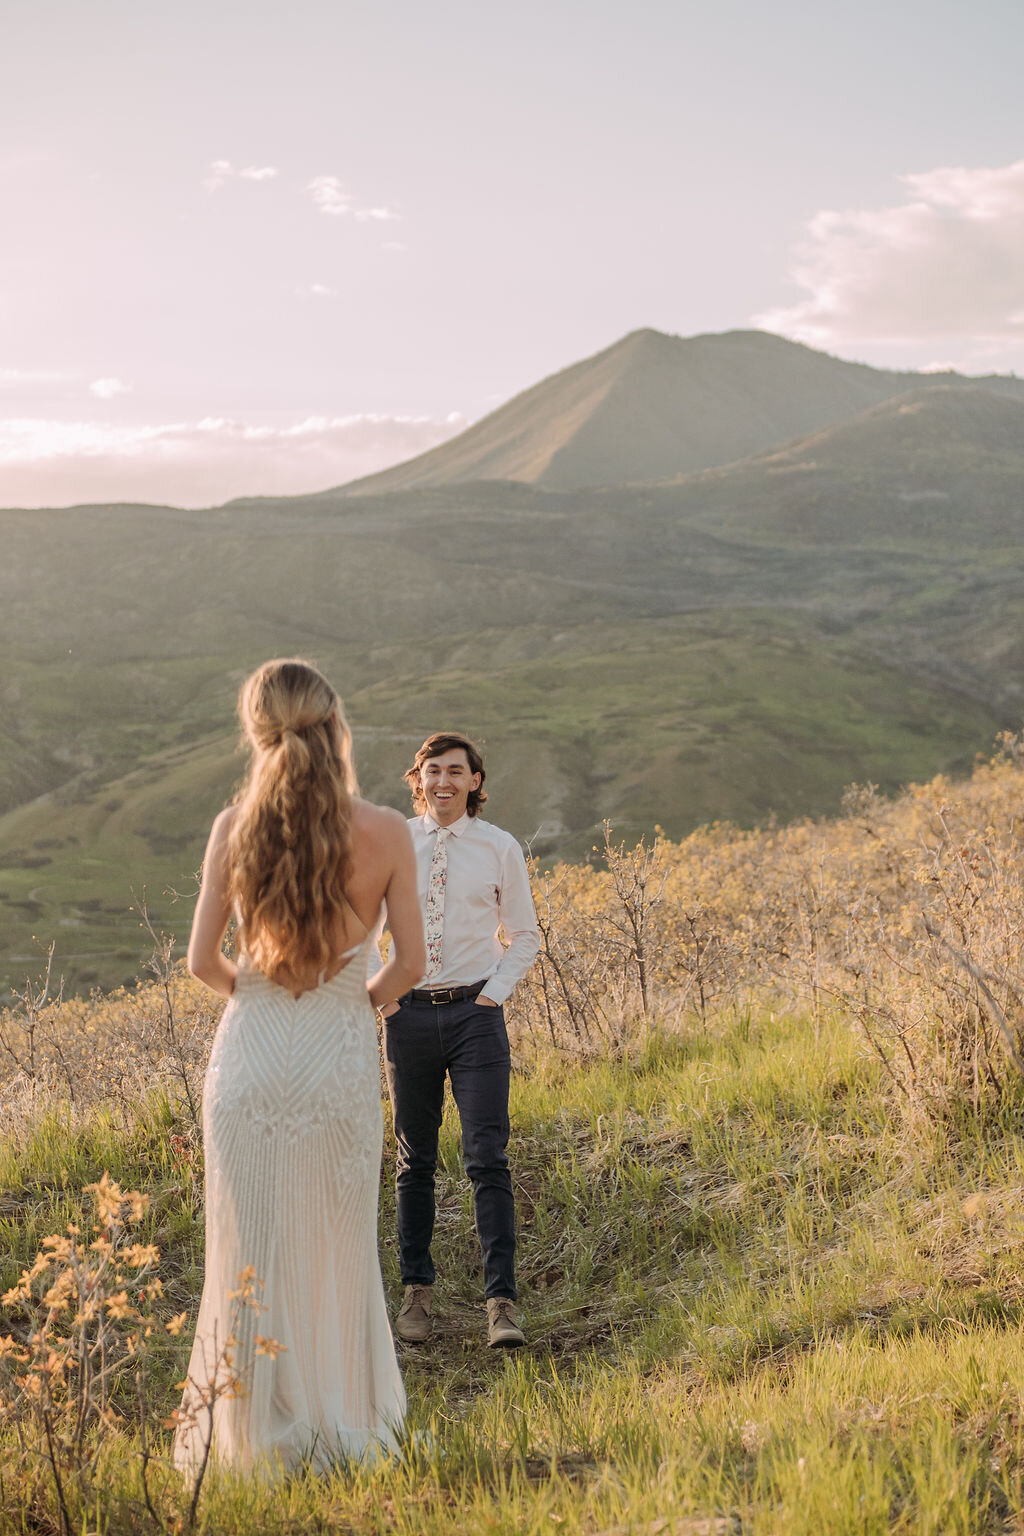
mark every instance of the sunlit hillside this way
{"type": "Point", "coordinates": [766, 1115]}
{"type": "Point", "coordinates": [654, 406]}
{"type": "Point", "coordinates": [740, 642]}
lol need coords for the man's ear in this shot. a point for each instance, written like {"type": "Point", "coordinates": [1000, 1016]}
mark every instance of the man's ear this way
{"type": "Point", "coordinates": [477, 781]}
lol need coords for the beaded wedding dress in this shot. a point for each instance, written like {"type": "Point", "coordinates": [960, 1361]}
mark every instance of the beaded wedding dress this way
{"type": "Point", "coordinates": [292, 1134]}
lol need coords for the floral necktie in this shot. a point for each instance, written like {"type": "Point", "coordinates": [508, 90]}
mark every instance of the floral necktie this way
{"type": "Point", "coordinates": [434, 926]}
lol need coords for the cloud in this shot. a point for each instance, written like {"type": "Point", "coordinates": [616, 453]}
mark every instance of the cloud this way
{"type": "Point", "coordinates": [218, 174]}
{"type": "Point", "coordinates": [946, 263]}
{"type": "Point", "coordinates": [329, 193]}
{"type": "Point", "coordinates": [202, 463]}
{"type": "Point", "coordinates": [221, 171]}
{"type": "Point", "coordinates": [330, 196]}
{"type": "Point", "coordinates": [108, 389]}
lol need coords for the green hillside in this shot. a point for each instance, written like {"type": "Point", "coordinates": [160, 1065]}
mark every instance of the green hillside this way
{"type": "Point", "coordinates": [736, 643]}
{"type": "Point", "coordinates": [670, 721]}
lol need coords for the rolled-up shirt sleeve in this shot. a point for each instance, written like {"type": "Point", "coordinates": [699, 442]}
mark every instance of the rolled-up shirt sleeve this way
{"type": "Point", "coordinates": [519, 923]}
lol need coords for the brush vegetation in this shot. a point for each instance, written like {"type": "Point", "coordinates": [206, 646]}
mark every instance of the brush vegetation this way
{"type": "Point", "coordinates": [767, 1147]}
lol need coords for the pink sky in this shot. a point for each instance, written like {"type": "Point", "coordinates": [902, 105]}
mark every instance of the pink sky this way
{"type": "Point", "coordinates": [261, 249]}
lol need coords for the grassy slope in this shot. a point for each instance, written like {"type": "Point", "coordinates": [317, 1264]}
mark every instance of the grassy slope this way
{"type": "Point", "coordinates": [652, 406]}
{"type": "Point", "coordinates": [746, 641]}
{"type": "Point", "coordinates": [751, 1300]}
{"type": "Point", "coordinates": [666, 721]}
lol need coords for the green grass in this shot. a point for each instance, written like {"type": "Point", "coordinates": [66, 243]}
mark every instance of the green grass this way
{"type": "Point", "coordinates": [743, 643]}
{"type": "Point", "coordinates": [674, 721]}
{"type": "Point", "coordinates": [752, 1298]}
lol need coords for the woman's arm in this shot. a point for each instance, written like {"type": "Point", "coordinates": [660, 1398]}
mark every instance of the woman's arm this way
{"type": "Point", "coordinates": [206, 959]}
{"type": "Point", "coordinates": [407, 959]}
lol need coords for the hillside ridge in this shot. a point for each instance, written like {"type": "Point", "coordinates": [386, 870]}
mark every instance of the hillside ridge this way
{"type": "Point", "coordinates": [652, 407]}
{"type": "Point", "coordinates": [744, 641]}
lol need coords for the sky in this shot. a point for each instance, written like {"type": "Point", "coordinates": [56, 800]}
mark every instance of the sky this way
{"type": "Point", "coordinates": [256, 248]}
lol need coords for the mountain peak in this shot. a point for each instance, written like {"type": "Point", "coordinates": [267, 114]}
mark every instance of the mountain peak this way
{"type": "Point", "coordinates": [653, 406]}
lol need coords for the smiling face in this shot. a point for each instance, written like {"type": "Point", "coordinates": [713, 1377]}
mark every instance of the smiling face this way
{"type": "Point", "coordinates": [447, 782]}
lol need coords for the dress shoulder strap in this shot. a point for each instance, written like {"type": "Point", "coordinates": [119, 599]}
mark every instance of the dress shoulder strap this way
{"type": "Point", "coordinates": [355, 914]}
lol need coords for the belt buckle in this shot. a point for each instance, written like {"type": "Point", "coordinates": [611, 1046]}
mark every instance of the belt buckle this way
{"type": "Point", "coordinates": [439, 997]}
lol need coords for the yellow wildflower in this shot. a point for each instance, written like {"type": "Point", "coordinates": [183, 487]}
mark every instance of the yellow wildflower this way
{"type": "Point", "coordinates": [140, 1254]}
{"type": "Point", "coordinates": [55, 1365]}
{"type": "Point", "coordinates": [109, 1199]}
{"type": "Point", "coordinates": [247, 1283]}
{"type": "Point", "coordinates": [59, 1294]}
{"type": "Point", "coordinates": [176, 1324]}
{"type": "Point", "coordinates": [120, 1307]}
{"type": "Point", "coordinates": [138, 1202]}
{"type": "Point", "coordinates": [270, 1347]}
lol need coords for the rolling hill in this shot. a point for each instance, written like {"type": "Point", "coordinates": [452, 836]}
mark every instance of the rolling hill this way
{"type": "Point", "coordinates": [653, 407]}
{"type": "Point", "coordinates": [736, 641]}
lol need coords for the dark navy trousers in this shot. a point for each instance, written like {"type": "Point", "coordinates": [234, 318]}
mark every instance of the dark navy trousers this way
{"type": "Point", "coordinates": [423, 1044]}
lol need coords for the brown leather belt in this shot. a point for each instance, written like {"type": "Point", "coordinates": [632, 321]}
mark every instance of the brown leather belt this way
{"type": "Point", "coordinates": [439, 995]}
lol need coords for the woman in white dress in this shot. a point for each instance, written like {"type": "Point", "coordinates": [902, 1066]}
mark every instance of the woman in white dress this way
{"type": "Point", "coordinates": [291, 1103]}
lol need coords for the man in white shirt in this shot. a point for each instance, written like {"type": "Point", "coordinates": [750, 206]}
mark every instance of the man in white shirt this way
{"type": "Point", "coordinates": [473, 881]}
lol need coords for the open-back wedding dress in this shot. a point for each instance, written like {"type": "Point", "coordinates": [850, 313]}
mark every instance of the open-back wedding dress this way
{"type": "Point", "coordinates": [292, 1134]}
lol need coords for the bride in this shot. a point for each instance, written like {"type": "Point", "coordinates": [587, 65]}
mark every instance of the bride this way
{"type": "Point", "coordinates": [293, 1359]}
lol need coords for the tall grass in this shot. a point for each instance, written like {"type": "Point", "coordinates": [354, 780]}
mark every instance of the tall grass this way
{"type": "Point", "coordinates": [908, 915]}
{"type": "Point", "coordinates": [772, 1273]}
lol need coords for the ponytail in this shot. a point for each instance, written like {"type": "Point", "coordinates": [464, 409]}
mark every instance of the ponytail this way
{"type": "Point", "coordinates": [290, 843]}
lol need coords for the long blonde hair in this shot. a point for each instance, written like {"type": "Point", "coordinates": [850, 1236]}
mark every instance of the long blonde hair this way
{"type": "Point", "coordinates": [290, 842]}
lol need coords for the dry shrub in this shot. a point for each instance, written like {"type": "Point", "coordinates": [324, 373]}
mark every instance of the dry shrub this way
{"type": "Point", "coordinates": [112, 1050]}
{"type": "Point", "coordinates": [85, 1314]}
{"type": "Point", "coordinates": [906, 914]}
{"type": "Point", "coordinates": [79, 1364]}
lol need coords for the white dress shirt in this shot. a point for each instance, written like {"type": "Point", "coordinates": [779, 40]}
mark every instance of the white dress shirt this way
{"type": "Point", "coordinates": [487, 888]}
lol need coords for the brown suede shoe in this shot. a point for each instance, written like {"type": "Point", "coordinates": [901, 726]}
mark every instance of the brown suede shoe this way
{"type": "Point", "coordinates": [503, 1330]}
{"type": "Point", "coordinates": [414, 1323]}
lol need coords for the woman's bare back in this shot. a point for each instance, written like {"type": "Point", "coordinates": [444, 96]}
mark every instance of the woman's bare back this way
{"type": "Point", "coordinates": [373, 832]}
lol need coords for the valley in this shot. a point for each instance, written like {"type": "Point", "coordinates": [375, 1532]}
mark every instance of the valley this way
{"type": "Point", "coordinates": [733, 642]}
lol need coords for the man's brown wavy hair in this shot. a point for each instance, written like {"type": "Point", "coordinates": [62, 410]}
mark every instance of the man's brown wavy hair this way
{"type": "Point", "coordinates": [290, 842]}
{"type": "Point", "coordinates": [436, 746]}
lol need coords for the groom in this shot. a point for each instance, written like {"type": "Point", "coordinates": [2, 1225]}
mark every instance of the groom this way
{"type": "Point", "coordinates": [473, 881]}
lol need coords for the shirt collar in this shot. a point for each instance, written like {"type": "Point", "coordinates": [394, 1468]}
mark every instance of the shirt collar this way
{"type": "Point", "coordinates": [458, 827]}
